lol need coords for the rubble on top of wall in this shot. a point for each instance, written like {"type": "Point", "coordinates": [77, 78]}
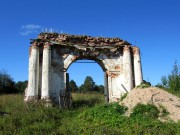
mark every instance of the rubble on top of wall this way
{"type": "Point", "coordinates": [68, 39]}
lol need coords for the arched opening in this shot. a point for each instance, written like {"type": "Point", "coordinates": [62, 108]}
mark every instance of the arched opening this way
{"type": "Point", "coordinates": [79, 71]}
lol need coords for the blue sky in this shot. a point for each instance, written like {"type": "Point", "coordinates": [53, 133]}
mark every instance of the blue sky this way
{"type": "Point", "coordinates": [153, 25]}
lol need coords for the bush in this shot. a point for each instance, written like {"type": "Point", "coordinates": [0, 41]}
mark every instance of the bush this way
{"type": "Point", "coordinates": [164, 111]}
{"type": "Point", "coordinates": [111, 115]}
{"type": "Point", "coordinates": [145, 111]}
{"type": "Point", "coordinates": [123, 96]}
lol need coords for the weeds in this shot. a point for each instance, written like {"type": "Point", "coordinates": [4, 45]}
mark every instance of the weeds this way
{"type": "Point", "coordinates": [164, 111]}
{"type": "Point", "coordinates": [87, 99]}
{"type": "Point", "coordinates": [144, 84]}
{"type": "Point", "coordinates": [97, 118]}
{"type": "Point", "coordinates": [145, 111]}
{"type": "Point", "coordinates": [123, 96]}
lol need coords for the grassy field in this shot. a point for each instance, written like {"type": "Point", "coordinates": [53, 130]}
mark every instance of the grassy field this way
{"type": "Point", "coordinates": [88, 116]}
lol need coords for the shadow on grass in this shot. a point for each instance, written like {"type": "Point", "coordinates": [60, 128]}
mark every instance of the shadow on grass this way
{"type": "Point", "coordinates": [2, 113]}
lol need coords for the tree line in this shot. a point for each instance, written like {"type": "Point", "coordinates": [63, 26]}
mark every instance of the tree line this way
{"type": "Point", "coordinates": [8, 85]}
{"type": "Point", "coordinates": [172, 81]}
{"type": "Point", "coordinates": [88, 86]}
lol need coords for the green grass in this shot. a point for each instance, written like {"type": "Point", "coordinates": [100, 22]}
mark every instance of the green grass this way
{"type": "Point", "coordinates": [87, 99]}
{"type": "Point", "coordinates": [89, 116]}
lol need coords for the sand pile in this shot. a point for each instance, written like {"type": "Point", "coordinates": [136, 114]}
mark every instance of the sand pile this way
{"type": "Point", "coordinates": [152, 95]}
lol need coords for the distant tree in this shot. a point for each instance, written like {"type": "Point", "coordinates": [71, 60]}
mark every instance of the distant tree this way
{"type": "Point", "coordinates": [7, 84]}
{"type": "Point", "coordinates": [159, 85]}
{"type": "Point", "coordinates": [72, 86]}
{"type": "Point", "coordinates": [89, 86]}
{"type": "Point", "coordinates": [96, 88]}
{"type": "Point", "coordinates": [99, 88]}
{"type": "Point", "coordinates": [172, 82]}
{"type": "Point", "coordinates": [164, 81]}
{"type": "Point", "coordinates": [82, 89]}
{"type": "Point", "coordinates": [89, 83]}
{"type": "Point", "coordinates": [21, 86]}
{"type": "Point", "coordinates": [163, 84]}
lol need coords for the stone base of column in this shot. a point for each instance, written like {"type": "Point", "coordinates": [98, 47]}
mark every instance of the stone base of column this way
{"type": "Point", "coordinates": [48, 101]}
{"type": "Point", "coordinates": [114, 99]}
{"type": "Point", "coordinates": [46, 98]}
{"type": "Point", "coordinates": [31, 98]}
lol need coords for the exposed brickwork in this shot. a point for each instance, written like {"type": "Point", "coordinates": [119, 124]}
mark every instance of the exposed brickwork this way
{"type": "Point", "coordinates": [135, 50]}
{"type": "Point", "coordinates": [33, 46]}
{"type": "Point", "coordinates": [117, 68]}
{"type": "Point", "coordinates": [85, 40]}
{"type": "Point", "coordinates": [126, 48]}
{"type": "Point", "coordinates": [46, 45]}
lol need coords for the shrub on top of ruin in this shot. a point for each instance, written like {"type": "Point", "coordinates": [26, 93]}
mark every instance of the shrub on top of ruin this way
{"type": "Point", "coordinates": [144, 84]}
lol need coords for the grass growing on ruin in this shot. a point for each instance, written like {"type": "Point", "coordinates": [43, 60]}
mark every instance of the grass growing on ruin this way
{"type": "Point", "coordinates": [89, 116]}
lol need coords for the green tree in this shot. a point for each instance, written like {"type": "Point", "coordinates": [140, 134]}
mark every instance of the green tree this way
{"type": "Point", "coordinates": [72, 86]}
{"type": "Point", "coordinates": [89, 83]}
{"type": "Point", "coordinates": [172, 81]}
{"type": "Point", "coordinates": [21, 86]}
{"type": "Point", "coordinates": [99, 88]}
{"type": "Point", "coordinates": [96, 88]}
{"type": "Point", "coordinates": [7, 84]}
{"type": "Point", "coordinates": [82, 88]}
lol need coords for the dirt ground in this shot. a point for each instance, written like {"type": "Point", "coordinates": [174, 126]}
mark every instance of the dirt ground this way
{"type": "Point", "coordinates": [153, 95]}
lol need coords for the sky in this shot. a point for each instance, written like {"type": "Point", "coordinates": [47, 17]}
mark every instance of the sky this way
{"type": "Point", "coordinates": [152, 25]}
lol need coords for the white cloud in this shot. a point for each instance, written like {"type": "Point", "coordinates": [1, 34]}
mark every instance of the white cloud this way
{"type": "Point", "coordinates": [29, 29]}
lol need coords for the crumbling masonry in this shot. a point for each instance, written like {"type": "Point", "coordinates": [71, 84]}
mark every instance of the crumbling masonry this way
{"type": "Point", "coordinates": [51, 54]}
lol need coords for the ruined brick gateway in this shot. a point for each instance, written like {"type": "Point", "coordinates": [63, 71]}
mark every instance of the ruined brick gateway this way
{"type": "Point", "coordinates": [51, 54]}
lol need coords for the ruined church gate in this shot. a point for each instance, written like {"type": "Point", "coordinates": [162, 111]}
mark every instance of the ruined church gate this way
{"type": "Point", "coordinates": [51, 54]}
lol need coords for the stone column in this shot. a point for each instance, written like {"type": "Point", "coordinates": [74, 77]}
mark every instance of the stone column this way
{"type": "Point", "coordinates": [33, 79]}
{"type": "Point", "coordinates": [46, 73]}
{"type": "Point", "coordinates": [127, 69]}
{"type": "Point", "coordinates": [137, 66]}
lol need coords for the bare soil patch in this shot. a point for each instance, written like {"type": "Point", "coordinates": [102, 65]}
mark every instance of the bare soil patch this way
{"type": "Point", "coordinates": [153, 95]}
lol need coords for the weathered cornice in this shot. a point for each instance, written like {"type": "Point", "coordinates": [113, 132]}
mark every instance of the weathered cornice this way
{"type": "Point", "coordinates": [73, 40]}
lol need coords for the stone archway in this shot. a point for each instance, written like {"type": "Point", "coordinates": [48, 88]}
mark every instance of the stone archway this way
{"type": "Point", "coordinates": [51, 54]}
{"type": "Point", "coordinates": [75, 57]}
